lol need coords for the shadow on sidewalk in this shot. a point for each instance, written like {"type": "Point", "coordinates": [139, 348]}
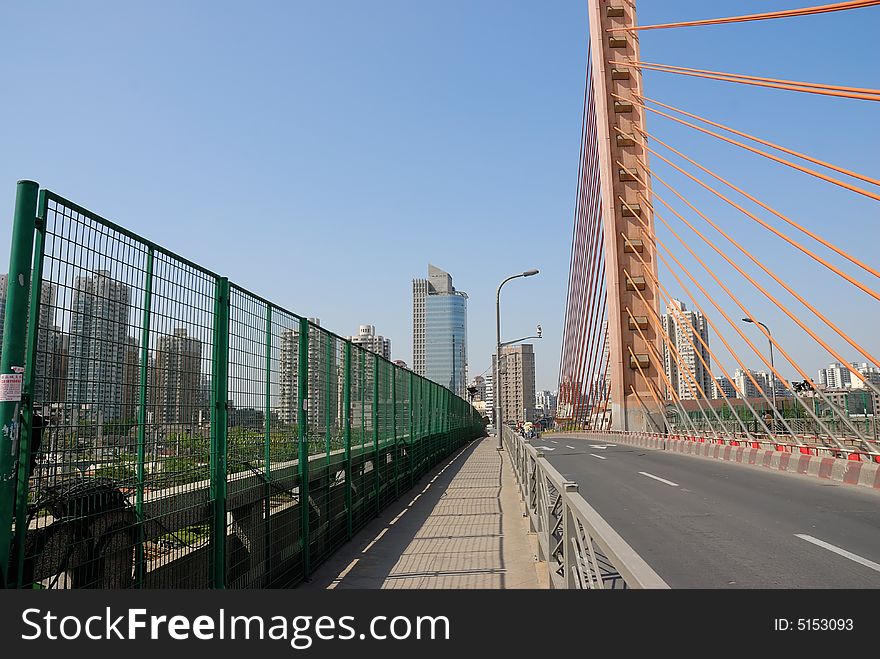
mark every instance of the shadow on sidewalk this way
{"type": "Point", "coordinates": [463, 549]}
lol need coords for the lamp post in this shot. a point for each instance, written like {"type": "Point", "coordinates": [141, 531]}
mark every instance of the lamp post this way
{"type": "Point", "coordinates": [772, 367]}
{"type": "Point", "coordinates": [499, 420]}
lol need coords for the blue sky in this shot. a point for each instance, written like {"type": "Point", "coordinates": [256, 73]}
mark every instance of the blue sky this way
{"type": "Point", "coordinates": [322, 153]}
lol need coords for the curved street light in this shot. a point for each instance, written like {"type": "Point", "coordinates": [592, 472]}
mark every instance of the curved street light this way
{"type": "Point", "coordinates": [499, 421]}
{"type": "Point", "coordinates": [772, 367]}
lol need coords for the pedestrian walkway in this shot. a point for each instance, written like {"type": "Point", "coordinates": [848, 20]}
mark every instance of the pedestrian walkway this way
{"type": "Point", "coordinates": [460, 527]}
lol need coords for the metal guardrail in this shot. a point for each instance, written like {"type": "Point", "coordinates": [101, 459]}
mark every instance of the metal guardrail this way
{"type": "Point", "coordinates": [581, 549]}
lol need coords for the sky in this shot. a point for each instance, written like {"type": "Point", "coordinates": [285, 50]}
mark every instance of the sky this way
{"type": "Point", "coordinates": [321, 154]}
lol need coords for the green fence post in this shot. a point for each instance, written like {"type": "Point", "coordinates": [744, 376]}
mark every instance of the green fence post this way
{"type": "Point", "coordinates": [376, 430]}
{"type": "Point", "coordinates": [396, 457]}
{"type": "Point", "coordinates": [331, 345]}
{"type": "Point", "coordinates": [409, 450]}
{"type": "Point", "coordinates": [302, 379]}
{"type": "Point", "coordinates": [346, 423]}
{"type": "Point", "coordinates": [28, 397]}
{"type": "Point", "coordinates": [267, 451]}
{"type": "Point", "coordinates": [220, 405]}
{"type": "Point", "coordinates": [143, 378]}
{"type": "Point", "coordinates": [13, 358]}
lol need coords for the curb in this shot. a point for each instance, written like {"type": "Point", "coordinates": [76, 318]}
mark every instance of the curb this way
{"type": "Point", "coordinates": [848, 472]}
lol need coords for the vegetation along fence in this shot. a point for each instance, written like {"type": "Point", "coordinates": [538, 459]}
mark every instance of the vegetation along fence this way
{"type": "Point", "coordinates": [165, 428]}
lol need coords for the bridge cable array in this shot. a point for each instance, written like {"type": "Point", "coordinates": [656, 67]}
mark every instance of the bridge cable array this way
{"type": "Point", "coordinates": [584, 384]}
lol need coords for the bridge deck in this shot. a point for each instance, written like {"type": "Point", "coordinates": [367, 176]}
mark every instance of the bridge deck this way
{"type": "Point", "coordinates": [460, 527]}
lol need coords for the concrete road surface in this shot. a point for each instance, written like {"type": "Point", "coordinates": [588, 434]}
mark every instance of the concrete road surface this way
{"type": "Point", "coordinates": [704, 523]}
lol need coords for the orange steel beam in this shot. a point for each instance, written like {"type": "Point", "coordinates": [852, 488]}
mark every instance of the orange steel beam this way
{"type": "Point", "coordinates": [664, 293]}
{"type": "Point", "coordinates": [779, 147]}
{"type": "Point", "coordinates": [742, 307]}
{"type": "Point", "coordinates": [611, 115]}
{"type": "Point", "coordinates": [708, 317]}
{"type": "Point", "coordinates": [767, 271]}
{"type": "Point", "coordinates": [783, 161]}
{"type": "Point", "coordinates": [788, 13]}
{"type": "Point", "coordinates": [782, 217]}
{"type": "Point", "coordinates": [790, 241]}
{"type": "Point", "coordinates": [743, 76]}
{"type": "Point", "coordinates": [770, 83]}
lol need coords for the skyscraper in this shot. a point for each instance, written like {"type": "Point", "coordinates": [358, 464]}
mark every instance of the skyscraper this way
{"type": "Point", "coordinates": [440, 330]}
{"type": "Point", "coordinates": [98, 340]}
{"type": "Point", "coordinates": [178, 378]}
{"type": "Point", "coordinates": [683, 328]}
{"type": "Point", "coordinates": [517, 391]}
{"type": "Point", "coordinates": [288, 358]}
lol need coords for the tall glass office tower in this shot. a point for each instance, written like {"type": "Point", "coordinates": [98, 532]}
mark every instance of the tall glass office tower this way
{"type": "Point", "coordinates": [440, 330]}
{"type": "Point", "coordinates": [446, 340]}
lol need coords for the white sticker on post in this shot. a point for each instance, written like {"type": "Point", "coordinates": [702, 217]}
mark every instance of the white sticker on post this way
{"type": "Point", "coordinates": [10, 387]}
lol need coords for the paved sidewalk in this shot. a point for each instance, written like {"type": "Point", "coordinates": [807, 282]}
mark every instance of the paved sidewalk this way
{"type": "Point", "coordinates": [460, 527]}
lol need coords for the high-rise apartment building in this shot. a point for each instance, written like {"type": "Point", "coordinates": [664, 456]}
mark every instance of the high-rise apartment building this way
{"type": "Point", "coordinates": [722, 387]}
{"type": "Point", "coordinates": [516, 390]}
{"type": "Point", "coordinates": [369, 340]}
{"type": "Point", "coordinates": [747, 389]}
{"type": "Point", "coordinates": [836, 376]}
{"type": "Point", "coordinates": [99, 330]}
{"type": "Point", "coordinates": [684, 368]}
{"type": "Point", "coordinates": [323, 392]}
{"type": "Point", "coordinates": [177, 378]}
{"type": "Point", "coordinates": [440, 330]}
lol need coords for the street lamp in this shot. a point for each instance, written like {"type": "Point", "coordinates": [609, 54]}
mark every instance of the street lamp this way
{"type": "Point", "coordinates": [772, 368]}
{"type": "Point", "coordinates": [499, 421]}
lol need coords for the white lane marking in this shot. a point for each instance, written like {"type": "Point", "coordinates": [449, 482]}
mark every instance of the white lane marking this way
{"type": "Point", "coordinates": [571, 447]}
{"type": "Point", "coordinates": [598, 456]}
{"type": "Point", "coordinates": [545, 448]}
{"type": "Point", "coordinates": [599, 447]}
{"type": "Point", "coordinates": [657, 478]}
{"type": "Point", "coordinates": [837, 550]}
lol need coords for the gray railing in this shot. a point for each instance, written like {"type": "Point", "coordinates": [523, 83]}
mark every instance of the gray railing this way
{"type": "Point", "coordinates": [579, 546]}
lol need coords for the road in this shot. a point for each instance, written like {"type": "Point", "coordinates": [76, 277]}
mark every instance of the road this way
{"type": "Point", "coordinates": [704, 523]}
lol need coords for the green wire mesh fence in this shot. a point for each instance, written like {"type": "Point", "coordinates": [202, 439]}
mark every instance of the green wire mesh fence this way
{"type": "Point", "coordinates": [168, 429]}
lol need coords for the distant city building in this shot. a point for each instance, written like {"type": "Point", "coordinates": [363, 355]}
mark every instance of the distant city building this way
{"type": "Point", "coordinates": [177, 378]}
{"type": "Point", "coordinates": [489, 392]}
{"type": "Point", "coordinates": [684, 330]}
{"type": "Point", "coordinates": [836, 376]}
{"type": "Point", "coordinates": [288, 358]}
{"type": "Point", "coordinates": [440, 330]}
{"type": "Point", "coordinates": [323, 385]}
{"type": "Point", "coordinates": [545, 403]}
{"type": "Point", "coordinates": [99, 330]}
{"type": "Point", "coordinates": [517, 383]}
{"type": "Point", "coordinates": [871, 375]}
{"type": "Point", "coordinates": [723, 384]}
{"type": "Point", "coordinates": [369, 340]}
{"type": "Point", "coordinates": [746, 387]}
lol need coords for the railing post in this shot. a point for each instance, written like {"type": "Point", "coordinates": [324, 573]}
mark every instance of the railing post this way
{"type": "Point", "coordinates": [267, 450]}
{"type": "Point", "coordinates": [569, 531]}
{"type": "Point", "coordinates": [219, 429]}
{"type": "Point", "coordinates": [143, 379]}
{"type": "Point", "coordinates": [302, 394]}
{"type": "Point", "coordinates": [375, 412]}
{"type": "Point", "coordinates": [13, 357]}
{"type": "Point", "coordinates": [396, 456]}
{"type": "Point", "coordinates": [346, 422]}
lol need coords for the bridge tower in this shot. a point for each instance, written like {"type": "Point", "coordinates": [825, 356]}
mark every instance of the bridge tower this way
{"type": "Point", "coordinates": [634, 363]}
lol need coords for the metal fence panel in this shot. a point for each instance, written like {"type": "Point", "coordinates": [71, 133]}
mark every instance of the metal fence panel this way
{"type": "Point", "coordinates": [180, 431]}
